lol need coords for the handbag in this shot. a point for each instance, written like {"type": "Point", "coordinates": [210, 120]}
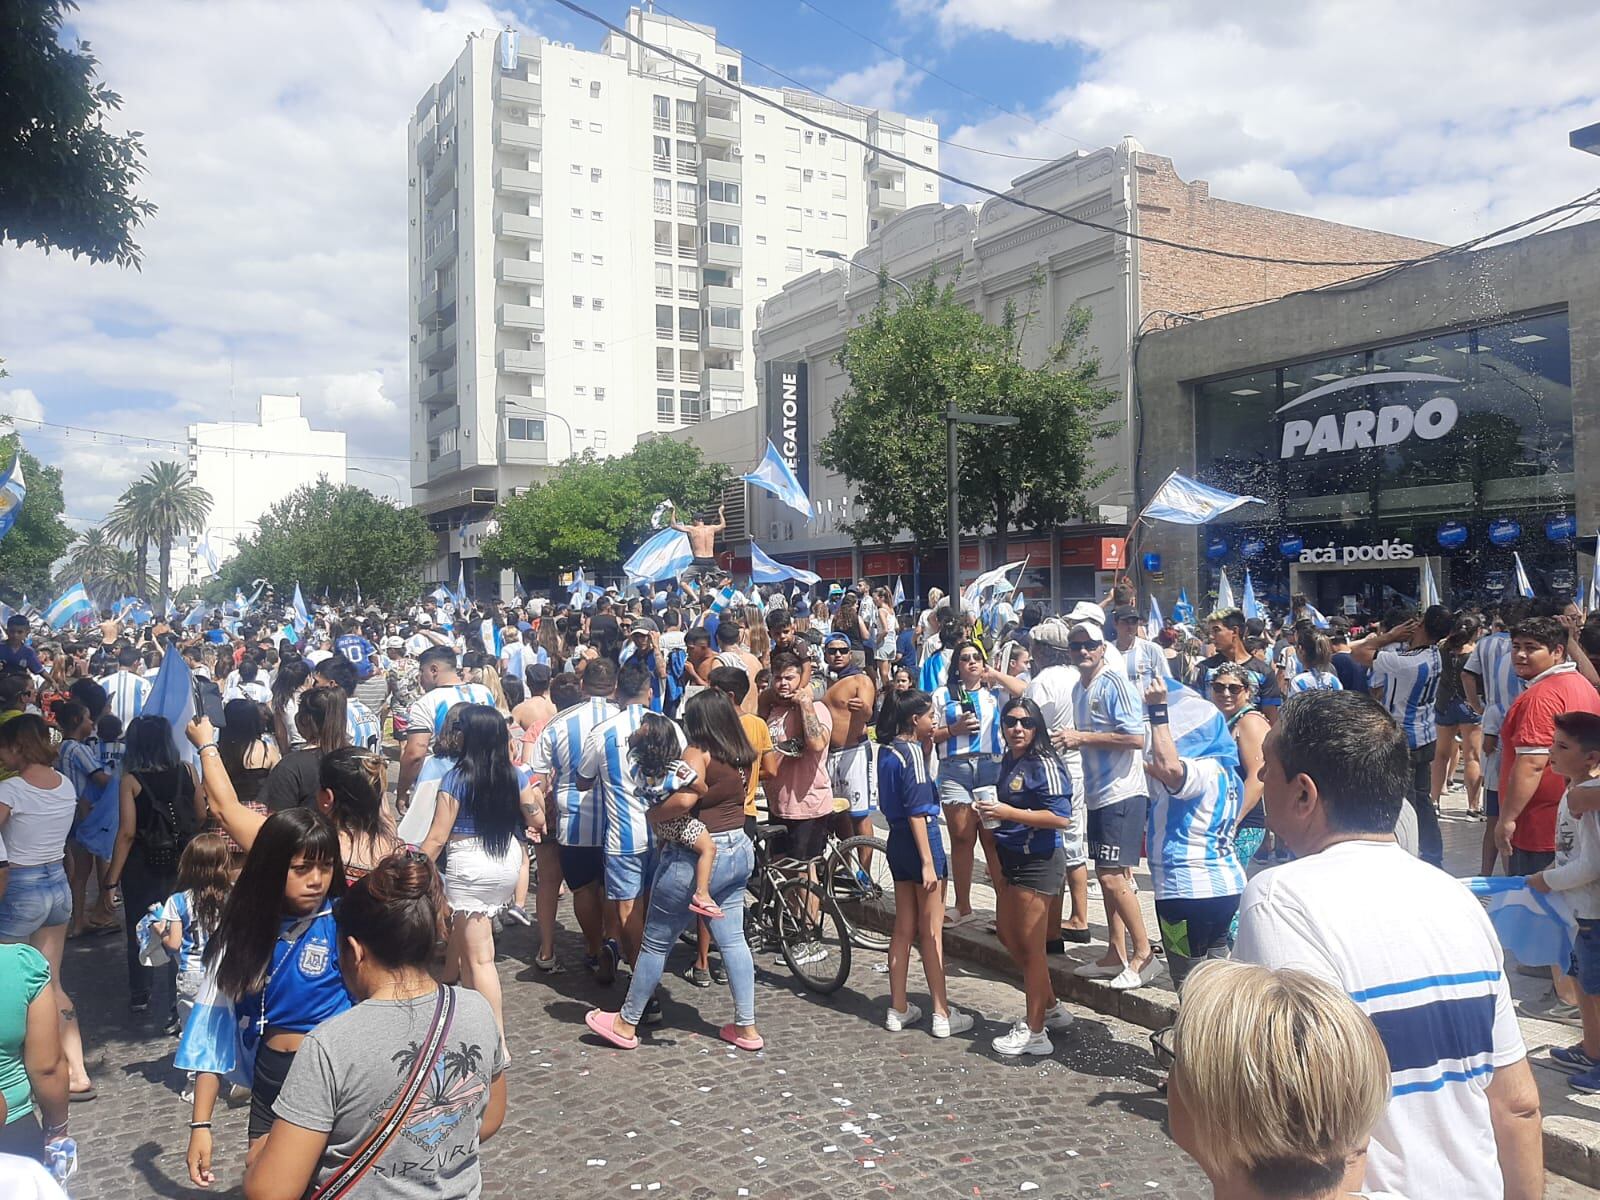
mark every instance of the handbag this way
{"type": "Point", "coordinates": [343, 1181]}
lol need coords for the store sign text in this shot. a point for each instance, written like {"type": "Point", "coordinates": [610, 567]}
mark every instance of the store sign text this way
{"type": "Point", "coordinates": [1364, 429]}
{"type": "Point", "coordinates": [1387, 551]}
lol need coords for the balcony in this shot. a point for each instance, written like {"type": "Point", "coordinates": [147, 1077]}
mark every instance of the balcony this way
{"type": "Point", "coordinates": [664, 375]}
{"type": "Point", "coordinates": [509, 90]}
{"type": "Point", "coordinates": [688, 167]}
{"type": "Point", "coordinates": [718, 130]}
{"type": "Point", "coordinates": [720, 254]}
{"type": "Point", "coordinates": [718, 337]}
{"type": "Point", "coordinates": [518, 135]}
{"type": "Point", "coordinates": [724, 379]}
{"type": "Point", "coordinates": [437, 386]}
{"type": "Point", "coordinates": [887, 198]}
{"type": "Point", "coordinates": [519, 270]}
{"type": "Point", "coordinates": [692, 336]}
{"type": "Point", "coordinates": [523, 362]}
{"type": "Point", "coordinates": [519, 316]}
{"type": "Point", "coordinates": [663, 249]}
{"type": "Point", "coordinates": [661, 162]}
{"type": "Point", "coordinates": [443, 175]}
{"type": "Point", "coordinates": [442, 253]}
{"type": "Point", "coordinates": [444, 420]}
{"type": "Point", "coordinates": [689, 252]}
{"type": "Point", "coordinates": [438, 346]}
{"type": "Point", "coordinates": [445, 464]}
{"type": "Point", "coordinates": [429, 305]}
{"type": "Point", "coordinates": [520, 226]}
{"type": "Point", "coordinates": [689, 376]}
{"type": "Point", "coordinates": [730, 297]}
{"type": "Point", "coordinates": [517, 183]}
{"type": "Point", "coordinates": [729, 170]}
{"type": "Point", "coordinates": [883, 169]}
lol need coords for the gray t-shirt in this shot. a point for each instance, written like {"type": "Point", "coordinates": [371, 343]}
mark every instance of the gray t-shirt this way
{"type": "Point", "coordinates": [339, 1086]}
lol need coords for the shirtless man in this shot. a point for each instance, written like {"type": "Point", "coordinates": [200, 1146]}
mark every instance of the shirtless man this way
{"type": "Point", "coordinates": [731, 652]}
{"type": "Point", "coordinates": [702, 544]}
{"type": "Point", "coordinates": [849, 699]}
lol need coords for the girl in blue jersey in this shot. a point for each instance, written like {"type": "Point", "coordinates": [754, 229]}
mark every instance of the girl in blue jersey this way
{"type": "Point", "coordinates": [1033, 808]}
{"type": "Point", "coordinates": [190, 915]}
{"type": "Point", "coordinates": [1314, 652]}
{"type": "Point", "coordinates": [966, 730]}
{"type": "Point", "coordinates": [910, 803]}
{"type": "Point", "coordinates": [275, 954]}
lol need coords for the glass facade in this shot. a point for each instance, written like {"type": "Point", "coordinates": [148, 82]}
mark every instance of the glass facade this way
{"type": "Point", "coordinates": [1458, 445]}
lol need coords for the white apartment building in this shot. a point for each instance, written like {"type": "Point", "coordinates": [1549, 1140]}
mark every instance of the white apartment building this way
{"type": "Point", "coordinates": [248, 466]}
{"type": "Point", "coordinates": [591, 232]}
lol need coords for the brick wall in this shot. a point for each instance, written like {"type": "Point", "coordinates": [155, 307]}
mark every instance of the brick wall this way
{"type": "Point", "coordinates": [1183, 281]}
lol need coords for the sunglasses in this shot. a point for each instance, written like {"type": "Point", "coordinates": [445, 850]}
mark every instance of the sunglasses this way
{"type": "Point", "coordinates": [970, 658]}
{"type": "Point", "coordinates": [1018, 722]}
{"type": "Point", "coordinates": [1231, 689]}
{"type": "Point", "coordinates": [836, 650]}
{"type": "Point", "coordinates": [1081, 647]}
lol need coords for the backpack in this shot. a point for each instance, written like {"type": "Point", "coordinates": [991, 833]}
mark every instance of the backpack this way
{"type": "Point", "coordinates": [167, 823]}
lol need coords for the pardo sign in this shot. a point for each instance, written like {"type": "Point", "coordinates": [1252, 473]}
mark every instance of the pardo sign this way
{"type": "Point", "coordinates": [1386, 551]}
{"type": "Point", "coordinates": [1364, 429]}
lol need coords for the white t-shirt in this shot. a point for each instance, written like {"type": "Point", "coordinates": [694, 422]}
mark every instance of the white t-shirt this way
{"type": "Point", "coordinates": [24, 1179]}
{"type": "Point", "coordinates": [1053, 689]}
{"type": "Point", "coordinates": [40, 820]}
{"type": "Point", "coordinates": [1417, 953]}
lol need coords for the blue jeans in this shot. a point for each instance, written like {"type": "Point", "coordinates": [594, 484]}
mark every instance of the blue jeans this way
{"type": "Point", "coordinates": [669, 916]}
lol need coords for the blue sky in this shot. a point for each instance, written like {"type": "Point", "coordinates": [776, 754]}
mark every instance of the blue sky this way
{"type": "Point", "coordinates": [275, 138]}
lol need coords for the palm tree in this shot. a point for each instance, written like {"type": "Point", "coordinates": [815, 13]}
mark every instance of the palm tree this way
{"type": "Point", "coordinates": [122, 576]}
{"type": "Point", "coordinates": [129, 522]}
{"type": "Point", "coordinates": [162, 505]}
{"type": "Point", "coordinates": [88, 556]}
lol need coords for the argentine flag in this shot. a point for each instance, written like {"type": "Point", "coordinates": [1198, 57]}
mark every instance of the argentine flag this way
{"type": "Point", "coordinates": [302, 619]}
{"type": "Point", "coordinates": [1225, 593]}
{"type": "Point", "coordinates": [766, 569]}
{"type": "Point", "coordinates": [13, 490]}
{"type": "Point", "coordinates": [1153, 620]}
{"type": "Point", "coordinates": [1318, 621]}
{"type": "Point", "coordinates": [772, 474]}
{"type": "Point", "coordinates": [1183, 611]}
{"type": "Point", "coordinates": [1184, 501]}
{"type": "Point", "coordinates": [1524, 586]}
{"type": "Point", "coordinates": [69, 606]}
{"type": "Point", "coordinates": [1250, 608]}
{"type": "Point", "coordinates": [664, 556]}
{"type": "Point", "coordinates": [899, 593]}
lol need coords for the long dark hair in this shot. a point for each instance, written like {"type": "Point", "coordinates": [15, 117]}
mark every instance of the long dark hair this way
{"type": "Point", "coordinates": [483, 781]}
{"type": "Point", "coordinates": [653, 745]}
{"type": "Point", "coordinates": [395, 911]}
{"type": "Point", "coordinates": [1040, 746]}
{"type": "Point", "coordinates": [242, 727]}
{"type": "Point", "coordinates": [898, 711]}
{"type": "Point", "coordinates": [357, 779]}
{"type": "Point", "coordinates": [711, 721]}
{"type": "Point", "coordinates": [204, 872]}
{"type": "Point", "coordinates": [148, 745]}
{"type": "Point", "coordinates": [952, 675]}
{"type": "Point", "coordinates": [292, 672]}
{"type": "Point", "coordinates": [321, 719]}
{"type": "Point", "coordinates": [241, 949]}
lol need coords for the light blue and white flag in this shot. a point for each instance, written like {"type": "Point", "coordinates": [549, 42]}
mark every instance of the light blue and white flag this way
{"type": "Point", "coordinates": [196, 616]}
{"type": "Point", "coordinates": [13, 490]}
{"type": "Point", "coordinates": [207, 555]}
{"type": "Point", "coordinates": [1538, 928]}
{"type": "Point", "coordinates": [508, 50]}
{"type": "Point", "coordinates": [71, 605]}
{"type": "Point", "coordinates": [900, 591]}
{"type": "Point", "coordinates": [663, 556]}
{"type": "Point", "coordinates": [1183, 611]}
{"type": "Point", "coordinates": [581, 589]}
{"type": "Point", "coordinates": [1251, 609]}
{"type": "Point", "coordinates": [461, 586]}
{"type": "Point", "coordinates": [1184, 501]}
{"type": "Point", "coordinates": [1225, 593]}
{"type": "Point", "coordinates": [1430, 586]}
{"type": "Point", "coordinates": [493, 637]}
{"type": "Point", "coordinates": [171, 609]}
{"type": "Point", "coordinates": [172, 696]}
{"type": "Point", "coordinates": [441, 594]}
{"type": "Point", "coordinates": [1153, 619]}
{"type": "Point", "coordinates": [996, 580]}
{"type": "Point", "coordinates": [1318, 621]}
{"type": "Point", "coordinates": [1198, 728]}
{"type": "Point", "coordinates": [722, 599]}
{"type": "Point", "coordinates": [1524, 585]}
{"type": "Point", "coordinates": [6, 613]}
{"type": "Point", "coordinates": [302, 619]}
{"type": "Point", "coordinates": [766, 569]}
{"type": "Point", "coordinates": [773, 474]}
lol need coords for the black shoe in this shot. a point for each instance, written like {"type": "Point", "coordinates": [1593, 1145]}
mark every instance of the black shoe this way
{"type": "Point", "coordinates": [139, 1004]}
{"type": "Point", "coordinates": [1055, 946]}
{"type": "Point", "coordinates": [1078, 937]}
{"type": "Point", "coordinates": [605, 967]}
{"type": "Point", "coordinates": [652, 1013]}
{"type": "Point", "coordinates": [699, 976]}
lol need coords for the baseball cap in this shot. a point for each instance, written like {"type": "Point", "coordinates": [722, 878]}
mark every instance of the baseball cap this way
{"type": "Point", "coordinates": [1125, 612]}
{"type": "Point", "coordinates": [394, 643]}
{"type": "Point", "coordinates": [1096, 632]}
{"type": "Point", "coordinates": [644, 625]}
{"type": "Point", "coordinates": [1083, 611]}
{"type": "Point", "coordinates": [836, 639]}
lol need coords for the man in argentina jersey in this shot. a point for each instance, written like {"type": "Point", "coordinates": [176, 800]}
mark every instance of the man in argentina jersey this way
{"type": "Point", "coordinates": [126, 689]}
{"type": "Point", "coordinates": [607, 767]}
{"type": "Point", "coordinates": [1405, 678]}
{"type": "Point", "coordinates": [576, 818]}
{"type": "Point", "coordinates": [1409, 944]}
{"type": "Point", "coordinates": [440, 680]}
{"type": "Point", "coordinates": [1491, 686]}
{"type": "Point", "coordinates": [1195, 797]}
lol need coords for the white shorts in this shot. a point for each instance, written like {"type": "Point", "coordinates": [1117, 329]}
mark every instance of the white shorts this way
{"type": "Point", "coordinates": [476, 881]}
{"type": "Point", "coordinates": [853, 776]}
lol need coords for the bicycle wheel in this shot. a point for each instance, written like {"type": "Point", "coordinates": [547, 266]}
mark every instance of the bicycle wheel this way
{"type": "Point", "coordinates": [864, 895]}
{"type": "Point", "coordinates": [816, 944]}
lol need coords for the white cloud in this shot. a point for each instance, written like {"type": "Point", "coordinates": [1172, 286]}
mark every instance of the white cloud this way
{"type": "Point", "coordinates": [275, 139]}
{"type": "Point", "coordinates": [22, 404]}
{"type": "Point", "coordinates": [887, 84]}
{"type": "Point", "coordinates": [1441, 121]}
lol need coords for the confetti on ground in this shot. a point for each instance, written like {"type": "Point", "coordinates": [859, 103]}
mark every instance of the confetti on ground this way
{"type": "Point", "coordinates": [829, 1149]}
{"type": "Point", "coordinates": [745, 1131]}
{"type": "Point", "coordinates": [1072, 1154]}
{"type": "Point", "coordinates": [940, 1100]}
{"type": "Point", "coordinates": [673, 1121]}
{"type": "Point", "coordinates": [596, 1162]}
{"type": "Point", "coordinates": [867, 1162]}
{"type": "Point", "coordinates": [705, 1089]}
{"type": "Point", "coordinates": [1151, 1183]}
{"type": "Point", "coordinates": [654, 1187]}
{"type": "Point", "coordinates": [744, 1191]}
{"type": "Point", "coordinates": [1028, 1186]}
{"type": "Point", "coordinates": [872, 1116]}
{"type": "Point", "coordinates": [631, 1134]}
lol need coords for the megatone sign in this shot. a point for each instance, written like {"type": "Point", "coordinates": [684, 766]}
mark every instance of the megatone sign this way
{"type": "Point", "coordinates": [789, 416]}
{"type": "Point", "coordinates": [1366, 428]}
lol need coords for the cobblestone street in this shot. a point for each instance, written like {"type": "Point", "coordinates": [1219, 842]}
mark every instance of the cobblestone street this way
{"type": "Point", "coordinates": [834, 1107]}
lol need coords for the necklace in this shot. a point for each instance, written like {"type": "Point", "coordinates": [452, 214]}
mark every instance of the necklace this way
{"type": "Point", "coordinates": [304, 924]}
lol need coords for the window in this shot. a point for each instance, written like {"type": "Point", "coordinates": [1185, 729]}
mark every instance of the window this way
{"type": "Point", "coordinates": [594, 90]}
{"type": "Point", "coordinates": [791, 179]}
{"type": "Point", "coordinates": [661, 147]}
{"type": "Point", "coordinates": [836, 225]}
{"type": "Point", "coordinates": [663, 283]}
{"type": "Point", "coordinates": [688, 152]}
{"type": "Point", "coordinates": [685, 114]}
{"type": "Point", "coordinates": [688, 194]}
{"type": "Point", "coordinates": [722, 191]}
{"type": "Point", "coordinates": [808, 136]}
{"type": "Point", "coordinates": [598, 260]}
{"type": "Point", "coordinates": [822, 139]}
{"type": "Point", "coordinates": [577, 302]}
{"type": "Point", "coordinates": [575, 82]}
{"type": "Point", "coordinates": [661, 111]}
{"type": "Point", "coordinates": [579, 390]}
{"type": "Point", "coordinates": [594, 174]}
{"type": "Point", "coordinates": [665, 409]}
{"type": "Point", "coordinates": [761, 239]}
{"type": "Point", "coordinates": [576, 169]}
{"type": "Point", "coordinates": [577, 343]}
{"type": "Point", "coordinates": [689, 405]}
{"type": "Point", "coordinates": [793, 259]}
{"type": "Point", "coordinates": [578, 213]}
{"type": "Point", "coordinates": [662, 195]}
{"type": "Point", "coordinates": [927, 187]}
{"type": "Point", "coordinates": [663, 315]}
{"type": "Point", "coordinates": [574, 123]}
{"type": "Point", "coordinates": [689, 279]}
{"type": "Point", "coordinates": [806, 175]}
{"type": "Point", "coordinates": [761, 118]}
{"type": "Point", "coordinates": [723, 233]}
{"type": "Point", "coordinates": [521, 429]}
{"type": "Point", "coordinates": [599, 395]}
{"type": "Point", "coordinates": [577, 256]}
{"type": "Point", "coordinates": [596, 127]}
{"type": "Point", "coordinates": [760, 199]}
{"type": "Point", "coordinates": [598, 304]}
{"type": "Point", "coordinates": [791, 139]}
{"type": "Point", "coordinates": [791, 219]}
{"type": "Point", "coordinates": [724, 317]}
{"type": "Point", "coordinates": [716, 277]}
{"type": "Point", "coordinates": [599, 345]}
{"type": "Point", "coordinates": [927, 148]}
{"type": "Point", "coordinates": [596, 215]}
{"type": "Point", "coordinates": [689, 321]}
{"type": "Point", "coordinates": [840, 187]}
{"type": "Point", "coordinates": [761, 158]}
{"type": "Point", "coordinates": [761, 281]}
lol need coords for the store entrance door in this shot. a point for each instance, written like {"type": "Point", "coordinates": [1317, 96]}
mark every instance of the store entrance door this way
{"type": "Point", "coordinates": [1360, 589]}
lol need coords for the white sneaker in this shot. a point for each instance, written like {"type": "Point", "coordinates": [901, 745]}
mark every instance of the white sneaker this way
{"type": "Point", "coordinates": [1058, 1018]}
{"type": "Point", "coordinates": [1128, 978]}
{"type": "Point", "coordinates": [955, 1021]}
{"type": "Point", "coordinates": [809, 953]}
{"type": "Point", "coordinates": [1095, 970]}
{"type": "Point", "coordinates": [1019, 1039]}
{"type": "Point", "coordinates": [954, 919]}
{"type": "Point", "coordinates": [896, 1021]}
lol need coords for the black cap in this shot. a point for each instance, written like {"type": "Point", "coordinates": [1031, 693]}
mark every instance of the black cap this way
{"type": "Point", "coordinates": [1125, 612]}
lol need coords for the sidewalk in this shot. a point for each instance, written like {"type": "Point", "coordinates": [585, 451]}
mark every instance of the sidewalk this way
{"type": "Point", "coordinates": [1571, 1121]}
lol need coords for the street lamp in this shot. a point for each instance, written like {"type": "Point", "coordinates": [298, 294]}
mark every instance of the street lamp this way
{"type": "Point", "coordinates": [399, 488]}
{"type": "Point", "coordinates": [850, 262]}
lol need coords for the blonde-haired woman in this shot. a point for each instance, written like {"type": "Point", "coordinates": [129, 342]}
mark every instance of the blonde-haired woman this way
{"type": "Point", "coordinates": [1277, 1080]}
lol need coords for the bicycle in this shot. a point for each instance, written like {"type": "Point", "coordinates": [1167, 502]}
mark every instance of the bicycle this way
{"type": "Point", "coordinates": [797, 914]}
{"type": "Point", "coordinates": [863, 894]}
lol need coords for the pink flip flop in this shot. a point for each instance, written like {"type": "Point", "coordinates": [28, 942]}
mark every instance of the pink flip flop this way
{"type": "Point", "coordinates": [730, 1034]}
{"type": "Point", "coordinates": [604, 1024]}
{"type": "Point", "coordinates": [712, 911]}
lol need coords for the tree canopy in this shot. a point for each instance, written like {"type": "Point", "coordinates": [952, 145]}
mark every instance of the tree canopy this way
{"type": "Point", "coordinates": [40, 535]}
{"type": "Point", "coordinates": [332, 538]}
{"type": "Point", "coordinates": [907, 362]}
{"type": "Point", "coordinates": [66, 182]}
{"type": "Point", "coordinates": [592, 511]}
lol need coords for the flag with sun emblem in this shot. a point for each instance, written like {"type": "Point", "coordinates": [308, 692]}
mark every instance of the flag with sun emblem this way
{"type": "Point", "coordinates": [12, 491]}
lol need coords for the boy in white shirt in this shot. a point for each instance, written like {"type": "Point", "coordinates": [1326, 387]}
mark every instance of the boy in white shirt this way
{"type": "Point", "coordinates": [1575, 756]}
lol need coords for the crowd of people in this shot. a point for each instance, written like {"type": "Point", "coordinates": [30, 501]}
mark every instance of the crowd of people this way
{"type": "Point", "coordinates": [283, 906]}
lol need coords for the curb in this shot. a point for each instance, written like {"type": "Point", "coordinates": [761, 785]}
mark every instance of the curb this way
{"type": "Point", "coordinates": [1157, 1007]}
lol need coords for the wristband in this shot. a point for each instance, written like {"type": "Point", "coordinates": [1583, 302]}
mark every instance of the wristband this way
{"type": "Point", "coordinates": [1157, 713]}
{"type": "Point", "coordinates": [54, 1131]}
{"type": "Point", "coordinates": [199, 1124]}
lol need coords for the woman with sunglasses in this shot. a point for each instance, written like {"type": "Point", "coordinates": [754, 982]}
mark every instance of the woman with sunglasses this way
{"type": "Point", "coordinates": [1033, 809]}
{"type": "Point", "coordinates": [966, 733]}
{"type": "Point", "coordinates": [1233, 691]}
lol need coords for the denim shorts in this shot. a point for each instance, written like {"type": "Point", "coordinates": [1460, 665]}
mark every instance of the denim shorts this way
{"type": "Point", "coordinates": [958, 776]}
{"type": "Point", "coordinates": [1456, 712]}
{"type": "Point", "coordinates": [628, 876]}
{"type": "Point", "coordinates": [1586, 957]}
{"type": "Point", "coordinates": [36, 897]}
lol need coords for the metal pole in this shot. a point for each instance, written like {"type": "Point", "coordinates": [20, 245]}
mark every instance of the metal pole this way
{"type": "Point", "coordinates": [953, 484]}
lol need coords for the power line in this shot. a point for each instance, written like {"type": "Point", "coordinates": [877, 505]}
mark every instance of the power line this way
{"type": "Point", "coordinates": [950, 83]}
{"type": "Point", "coordinates": [805, 87]}
{"type": "Point", "coordinates": [948, 177]}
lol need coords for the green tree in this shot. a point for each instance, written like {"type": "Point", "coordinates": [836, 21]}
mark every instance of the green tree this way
{"type": "Point", "coordinates": [592, 510]}
{"type": "Point", "coordinates": [908, 362]}
{"type": "Point", "coordinates": [88, 557]}
{"type": "Point", "coordinates": [120, 576]}
{"type": "Point", "coordinates": [39, 536]}
{"type": "Point", "coordinates": [163, 504]}
{"type": "Point", "coordinates": [130, 522]}
{"type": "Point", "coordinates": [66, 182]}
{"type": "Point", "coordinates": [332, 537]}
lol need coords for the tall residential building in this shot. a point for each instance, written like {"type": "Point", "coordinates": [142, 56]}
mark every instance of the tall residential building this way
{"type": "Point", "coordinates": [248, 466]}
{"type": "Point", "coordinates": [591, 232]}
